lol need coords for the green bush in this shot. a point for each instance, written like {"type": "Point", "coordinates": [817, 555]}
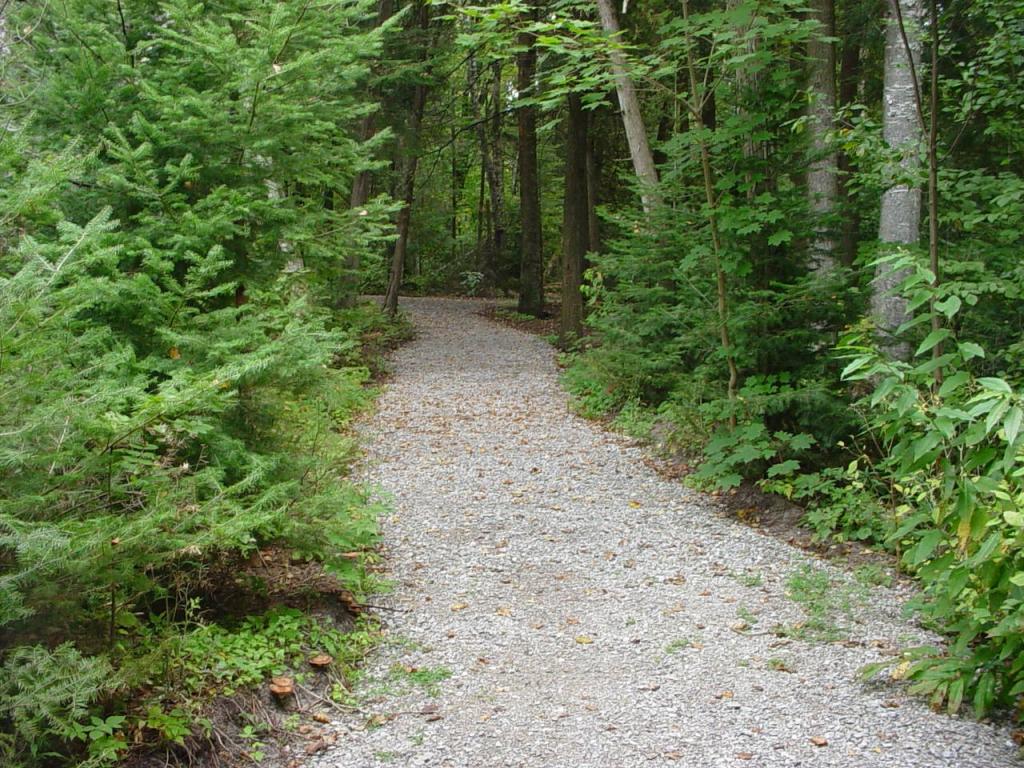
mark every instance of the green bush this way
{"type": "Point", "coordinates": [174, 391]}
{"type": "Point", "coordinates": [955, 449]}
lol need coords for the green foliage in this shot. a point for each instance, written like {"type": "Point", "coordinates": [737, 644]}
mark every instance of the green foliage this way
{"type": "Point", "coordinates": [653, 292]}
{"type": "Point", "coordinates": [956, 448]}
{"type": "Point", "coordinates": [216, 660]}
{"type": "Point", "coordinates": [174, 390]}
{"type": "Point", "coordinates": [824, 601]}
{"type": "Point", "coordinates": [46, 696]}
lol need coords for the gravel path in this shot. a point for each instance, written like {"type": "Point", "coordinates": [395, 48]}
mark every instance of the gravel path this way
{"type": "Point", "coordinates": [559, 604]}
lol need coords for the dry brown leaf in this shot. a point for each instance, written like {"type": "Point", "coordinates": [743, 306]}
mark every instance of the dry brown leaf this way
{"type": "Point", "coordinates": [460, 606]}
{"type": "Point", "coordinates": [744, 756]}
{"type": "Point", "coordinates": [819, 741]}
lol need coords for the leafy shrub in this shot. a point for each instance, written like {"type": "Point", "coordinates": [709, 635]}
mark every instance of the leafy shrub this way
{"type": "Point", "coordinates": [954, 450]}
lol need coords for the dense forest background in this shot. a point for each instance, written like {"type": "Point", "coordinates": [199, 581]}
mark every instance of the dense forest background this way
{"type": "Point", "coordinates": [781, 236]}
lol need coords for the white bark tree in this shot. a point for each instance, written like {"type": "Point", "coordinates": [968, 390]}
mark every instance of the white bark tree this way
{"type": "Point", "coordinates": [629, 104]}
{"type": "Point", "coordinates": [900, 217]}
{"type": "Point", "coordinates": [822, 182]}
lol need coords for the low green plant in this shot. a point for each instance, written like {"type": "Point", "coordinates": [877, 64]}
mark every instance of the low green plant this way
{"type": "Point", "coordinates": [873, 575]}
{"type": "Point", "coordinates": [750, 579]}
{"type": "Point", "coordinates": [953, 450]}
{"type": "Point", "coordinates": [429, 679]}
{"type": "Point", "coordinates": [471, 281]}
{"type": "Point", "coordinates": [824, 602]}
{"type": "Point", "coordinates": [678, 645]}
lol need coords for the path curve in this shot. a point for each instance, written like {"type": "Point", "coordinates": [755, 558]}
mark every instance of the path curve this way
{"type": "Point", "coordinates": [590, 613]}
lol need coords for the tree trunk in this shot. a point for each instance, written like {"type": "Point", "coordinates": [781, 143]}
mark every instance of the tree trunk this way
{"type": "Point", "coordinates": [531, 275]}
{"type": "Point", "coordinates": [488, 132]}
{"type": "Point", "coordinates": [849, 82]}
{"type": "Point", "coordinates": [593, 163]}
{"type": "Point", "coordinates": [575, 229]}
{"type": "Point", "coordinates": [900, 216]}
{"type": "Point", "coordinates": [409, 154]}
{"type": "Point", "coordinates": [822, 187]}
{"type": "Point", "coordinates": [361, 186]}
{"type": "Point", "coordinates": [632, 117]}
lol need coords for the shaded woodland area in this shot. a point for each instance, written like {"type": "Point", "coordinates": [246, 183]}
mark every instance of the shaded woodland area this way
{"type": "Point", "coordinates": [781, 237]}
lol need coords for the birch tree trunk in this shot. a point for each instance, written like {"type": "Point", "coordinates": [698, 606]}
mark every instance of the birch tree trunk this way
{"type": "Point", "coordinates": [822, 183]}
{"type": "Point", "coordinates": [531, 274]}
{"type": "Point", "coordinates": [849, 85]}
{"type": "Point", "coordinates": [900, 216]}
{"type": "Point", "coordinates": [632, 117]}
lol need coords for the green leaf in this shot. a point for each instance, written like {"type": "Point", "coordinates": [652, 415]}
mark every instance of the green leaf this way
{"type": "Point", "coordinates": [925, 547]}
{"type": "Point", "coordinates": [949, 306]}
{"type": "Point", "coordinates": [969, 349]}
{"type": "Point", "coordinates": [856, 365]}
{"type": "Point", "coordinates": [995, 384]}
{"type": "Point", "coordinates": [783, 468]}
{"type": "Point", "coordinates": [1012, 424]}
{"type": "Point", "coordinates": [953, 382]}
{"type": "Point", "coordinates": [935, 337]}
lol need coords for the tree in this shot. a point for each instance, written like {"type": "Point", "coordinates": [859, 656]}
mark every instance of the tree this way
{"type": "Point", "coordinates": [629, 105]}
{"type": "Point", "coordinates": [576, 221]}
{"type": "Point", "coordinates": [408, 159]}
{"type": "Point", "coordinates": [822, 182]}
{"type": "Point", "coordinates": [531, 276]}
{"type": "Point", "coordinates": [900, 215]}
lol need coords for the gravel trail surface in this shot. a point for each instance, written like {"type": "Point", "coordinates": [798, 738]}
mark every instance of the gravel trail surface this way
{"type": "Point", "coordinates": [556, 603]}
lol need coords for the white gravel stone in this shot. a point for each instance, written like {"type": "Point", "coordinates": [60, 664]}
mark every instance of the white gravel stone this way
{"type": "Point", "coordinates": [540, 562]}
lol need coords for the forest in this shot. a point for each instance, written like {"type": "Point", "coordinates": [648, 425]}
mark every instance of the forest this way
{"type": "Point", "coordinates": [781, 238]}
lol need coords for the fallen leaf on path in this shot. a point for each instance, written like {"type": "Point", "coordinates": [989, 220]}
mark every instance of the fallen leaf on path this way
{"type": "Point", "coordinates": [744, 756]}
{"type": "Point", "coordinates": [504, 611]}
{"type": "Point", "coordinates": [460, 606]}
{"type": "Point", "coordinates": [723, 695]}
{"type": "Point", "coordinates": [584, 640]}
{"type": "Point", "coordinates": [819, 741]}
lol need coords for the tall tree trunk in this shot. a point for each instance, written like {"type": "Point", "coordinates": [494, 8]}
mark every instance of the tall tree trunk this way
{"type": "Point", "coordinates": [457, 181]}
{"type": "Point", "coordinates": [697, 106]}
{"type": "Point", "coordinates": [361, 185]}
{"type": "Point", "coordinates": [822, 182]}
{"type": "Point", "coordinates": [849, 83]}
{"type": "Point", "coordinates": [900, 216]}
{"type": "Point", "coordinates": [409, 154]}
{"type": "Point", "coordinates": [632, 117]}
{"type": "Point", "coordinates": [575, 229]}
{"type": "Point", "coordinates": [488, 133]}
{"type": "Point", "coordinates": [593, 163]}
{"type": "Point", "coordinates": [531, 274]}
{"type": "Point", "coordinates": [496, 170]}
